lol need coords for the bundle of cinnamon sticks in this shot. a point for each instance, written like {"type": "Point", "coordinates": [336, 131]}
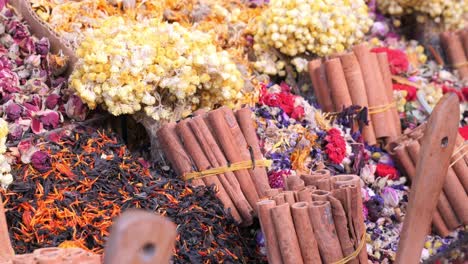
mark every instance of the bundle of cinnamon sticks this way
{"type": "Point", "coordinates": [362, 78]}
{"type": "Point", "coordinates": [452, 207]}
{"type": "Point", "coordinates": [455, 45]}
{"type": "Point", "coordinates": [307, 224]}
{"type": "Point", "coordinates": [216, 139]}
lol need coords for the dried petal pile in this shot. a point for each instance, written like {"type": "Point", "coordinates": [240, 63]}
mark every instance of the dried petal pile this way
{"type": "Point", "coordinates": [33, 95]}
{"type": "Point", "coordinates": [76, 185]}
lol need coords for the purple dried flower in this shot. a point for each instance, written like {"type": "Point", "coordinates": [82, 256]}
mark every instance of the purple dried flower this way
{"type": "Point", "coordinates": [15, 132]}
{"type": "Point", "coordinates": [43, 46]}
{"type": "Point", "coordinates": [374, 206]}
{"type": "Point", "coordinates": [13, 111]}
{"type": "Point", "coordinates": [41, 161]}
{"type": "Point", "coordinates": [390, 197]}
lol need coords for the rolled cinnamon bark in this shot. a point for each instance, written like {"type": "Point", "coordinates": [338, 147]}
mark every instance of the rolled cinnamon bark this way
{"type": "Point", "coordinates": [261, 183]}
{"type": "Point", "coordinates": [304, 195]}
{"type": "Point", "coordinates": [464, 39]}
{"type": "Point", "coordinates": [320, 195]}
{"type": "Point", "coordinates": [305, 233]}
{"type": "Point", "coordinates": [374, 87]}
{"type": "Point", "coordinates": [217, 159]}
{"type": "Point", "coordinates": [387, 78]}
{"type": "Point", "coordinates": [337, 84]}
{"type": "Point", "coordinates": [341, 226]}
{"type": "Point", "coordinates": [295, 183]}
{"type": "Point", "coordinates": [279, 199]}
{"type": "Point", "coordinates": [455, 53]}
{"type": "Point", "coordinates": [444, 217]}
{"type": "Point", "coordinates": [452, 189]}
{"type": "Point", "coordinates": [345, 179]}
{"type": "Point", "coordinates": [195, 151]}
{"type": "Point", "coordinates": [311, 179]}
{"type": "Point", "coordinates": [246, 123]}
{"type": "Point", "coordinates": [325, 232]}
{"type": "Point", "coordinates": [460, 166]}
{"type": "Point", "coordinates": [357, 90]}
{"type": "Point", "coordinates": [320, 85]}
{"type": "Point", "coordinates": [232, 152]}
{"type": "Point", "coordinates": [6, 250]}
{"type": "Point", "coordinates": [289, 197]}
{"type": "Point", "coordinates": [175, 152]}
{"type": "Point", "coordinates": [272, 192]}
{"type": "Point", "coordinates": [353, 194]}
{"type": "Point", "coordinates": [286, 234]}
{"type": "Point", "coordinates": [268, 230]}
{"type": "Point", "coordinates": [324, 184]}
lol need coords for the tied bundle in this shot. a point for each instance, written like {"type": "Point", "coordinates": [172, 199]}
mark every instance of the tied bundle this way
{"type": "Point", "coordinates": [317, 219]}
{"type": "Point", "coordinates": [56, 255]}
{"type": "Point", "coordinates": [452, 206]}
{"type": "Point", "coordinates": [362, 78]}
{"type": "Point", "coordinates": [455, 45]}
{"type": "Point", "coordinates": [219, 141]}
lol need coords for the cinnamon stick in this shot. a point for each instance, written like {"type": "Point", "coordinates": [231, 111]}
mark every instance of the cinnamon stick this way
{"type": "Point", "coordinates": [387, 78]}
{"type": "Point", "coordinates": [455, 53]}
{"type": "Point", "coordinates": [324, 184]}
{"type": "Point", "coordinates": [305, 233]}
{"type": "Point", "coordinates": [272, 192]}
{"type": "Point", "coordinates": [452, 188]}
{"type": "Point", "coordinates": [345, 179]}
{"type": "Point", "coordinates": [311, 179]}
{"type": "Point", "coordinates": [286, 234]}
{"type": "Point", "coordinates": [464, 39]}
{"type": "Point", "coordinates": [268, 230]}
{"type": "Point", "coordinates": [294, 183]}
{"type": "Point", "coordinates": [320, 195]}
{"type": "Point", "coordinates": [320, 85]}
{"type": "Point", "coordinates": [460, 165]}
{"type": "Point", "coordinates": [304, 195]}
{"type": "Point", "coordinates": [374, 88]}
{"type": "Point", "coordinates": [444, 217]}
{"type": "Point", "coordinates": [175, 152]}
{"type": "Point", "coordinates": [289, 197]}
{"type": "Point", "coordinates": [341, 225]}
{"type": "Point", "coordinates": [325, 232]}
{"type": "Point", "coordinates": [232, 152]}
{"type": "Point", "coordinates": [246, 123]}
{"type": "Point", "coordinates": [193, 148]}
{"type": "Point", "coordinates": [261, 184]}
{"type": "Point", "coordinates": [357, 90]}
{"type": "Point", "coordinates": [216, 157]}
{"type": "Point", "coordinates": [337, 84]}
{"type": "Point", "coordinates": [279, 199]}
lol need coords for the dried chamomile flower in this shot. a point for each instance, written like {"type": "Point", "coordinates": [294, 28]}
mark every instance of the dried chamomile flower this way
{"type": "Point", "coordinates": [448, 12]}
{"type": "Point", "coordinates": [129, 66]}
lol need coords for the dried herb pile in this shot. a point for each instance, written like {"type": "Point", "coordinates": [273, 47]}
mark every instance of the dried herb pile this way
{"type": "Point", "coordinates": [77, 182]}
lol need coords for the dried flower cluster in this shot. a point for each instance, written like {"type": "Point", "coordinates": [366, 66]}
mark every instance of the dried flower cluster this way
{"type": "Point", "coordinates": [154, 66]}
{"type": "Point", "coordinates": [449, 12]}
{"type": "Point", "coordinates": [294, 27]}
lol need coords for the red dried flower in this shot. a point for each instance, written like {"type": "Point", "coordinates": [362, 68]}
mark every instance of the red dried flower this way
{"type": "Point", "coordinates": [336, 146]}
{"type": "Point", "coordinates": [464, 132]}
{"type": "Point", "coordinates": [298, 113]}
{"type": "Point", "coordinates": [384, 170]}
{"type": "Point", "coordinates": [411, 96]}
{"type": "Point", "coordinates": [459, 93]}
{"type": "Point", "coordinates": [398, 60]}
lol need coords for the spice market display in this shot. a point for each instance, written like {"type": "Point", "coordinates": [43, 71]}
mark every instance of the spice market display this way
{"type": "Point", "coordinates": [280, 131]}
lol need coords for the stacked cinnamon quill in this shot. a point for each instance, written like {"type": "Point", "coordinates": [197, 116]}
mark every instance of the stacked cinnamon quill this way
{"type": "Point", "coordinates": [456, 49]}
{"type": "Point", "coordinates": [452, 207]}
{"type": "Point", "coordinates": [216, 139]}
{"type": "Point", "coordinates": [317, 219]}
{"type": "Point", "coordinates": [362, 78]}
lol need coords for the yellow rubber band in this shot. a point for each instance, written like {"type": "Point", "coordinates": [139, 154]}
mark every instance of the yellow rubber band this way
{"type": "Point", "coordinates": [355, 253]}
{"type": "Point", "coordinates": [243, 165]}
{"type": "Point", "coordinates": [459, 65]}
{"type": "Point", "coordinates": [462, 156]}
{"type": "Point", "coordinates": [372, 110]}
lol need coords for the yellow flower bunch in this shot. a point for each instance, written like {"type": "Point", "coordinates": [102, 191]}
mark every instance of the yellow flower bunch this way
{"type": "Point", "coordinates": [5, 177]}
{"type": "Point", "coordinates": [155, 66]}
{"type": "Point", "coordinates": [321, 27]}
{"type": "Point", "coordinates": [449, 12]}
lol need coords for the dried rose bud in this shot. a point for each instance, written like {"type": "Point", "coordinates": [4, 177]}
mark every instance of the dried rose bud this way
{"type": "Point", "coordinates": [52, 101]}
{"type": "Point", "coordinates": [36, 126]}
{"type": "Point", "coordinates": [41, 161]}
{"type": "Point", "coordinates": [13, 111]}
{"type": "Point", "coordinates": [75, 109]}
{"type": "Point", "coordinates": [50, 120]}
